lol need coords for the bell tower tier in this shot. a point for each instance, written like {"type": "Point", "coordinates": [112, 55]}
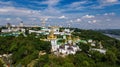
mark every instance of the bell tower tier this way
{"type": "Point", "coordinates": [69, 39]}
{"type": "Point", "coordinates": [53, 39]}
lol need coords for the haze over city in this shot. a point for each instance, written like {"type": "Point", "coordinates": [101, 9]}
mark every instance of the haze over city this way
{"type": "Point", "coordinates": [85, 14]}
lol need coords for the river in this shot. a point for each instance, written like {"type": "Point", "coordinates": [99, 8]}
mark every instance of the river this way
{"type": "Point", "coordinates": [113, 36]}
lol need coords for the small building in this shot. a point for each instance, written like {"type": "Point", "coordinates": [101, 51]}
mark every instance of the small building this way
{"type": "Point", "coordinates": [103, 51]}
{"type": "Point", "coordinates": [68, 49]}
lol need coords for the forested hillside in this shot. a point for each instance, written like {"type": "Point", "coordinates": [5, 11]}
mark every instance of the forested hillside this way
{"type": "Point", "coordinates": [25, 52]}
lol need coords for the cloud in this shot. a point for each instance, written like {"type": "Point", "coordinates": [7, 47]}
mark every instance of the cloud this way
{"type": "Point", "coordinates": [50, 8]}
{"type": "Point", "coordinates": [18, 18]}
{"type": "Point", "coordinates": [19, 14]}
{"type": "Point", "coordinates": [28, 13]}
{"type": "Point", "coordinates": [108, 19]}
{"type": "Point", "coordinates": [62, 17]}
{"type": "Point", "coordinates": [105, 3]}
{"type": "Point", "coordinates": [77, 4]}
{"type": "Point", "coordinates": [71, 21]}
{"type": "Point", "coordinates": [94, 21]}
{"type": "Point", "coordinates": [8, 3]}
{"type": "Point", "coordinates": [8, 19]}
{"type": "Point", "coordinates": [78, 11]}
{"type": "Point", "coordinates": [19, 11]}
{"type": "Point", "coordinates": [109, 1]}
{"type": "Point", "coordinates": [78, 20]}
{"type": "Point", "coordinates": [112, 14]}
{"type": "Point", "coordinates": [51, 2]}
{"type": "Point", "coordinates": [88, 16]}
{"type": "Point", "coordinates": [89, 21]}
{"type": "Point", "coordinates": [51, 11]}
{"type": "Point", "coordinates": [106, 14]}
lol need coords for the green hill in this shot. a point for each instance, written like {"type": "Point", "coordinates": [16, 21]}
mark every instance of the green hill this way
{"type": "Point", "coordinates": [25, 51]}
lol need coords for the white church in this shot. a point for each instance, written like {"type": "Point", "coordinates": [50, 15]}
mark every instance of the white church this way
{"type": "Point", "coordinates": [66, 48]}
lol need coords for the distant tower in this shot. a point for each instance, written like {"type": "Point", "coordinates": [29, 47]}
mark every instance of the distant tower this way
{"type": "Point", "coordinates": [8, 25]}
{"type": "Point", "coordinates": [21, 24]}
{"type": "Point", "coordinates": [69, 25]}
{"type": "Point", "coordinates": [43, 22]}
{"type": "Point", "coordinates": [100, 45]}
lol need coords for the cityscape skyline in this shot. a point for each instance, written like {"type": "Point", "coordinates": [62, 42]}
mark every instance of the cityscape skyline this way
{"type": "Point", "coordinates": [84, 14]}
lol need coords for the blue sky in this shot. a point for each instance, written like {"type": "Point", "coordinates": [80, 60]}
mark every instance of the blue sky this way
{"type": "Point", "coordinates": [85, 14]}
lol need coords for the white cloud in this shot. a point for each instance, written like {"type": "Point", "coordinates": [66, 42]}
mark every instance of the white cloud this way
{"type": "Point", "coordinates": [21, 14]}
{"type": "Point", "coordinates": [89, 21]}
{"type": "Point", "coordinates": [62, 17]}
{"type": "Point", "coordinates": [8, 3]}
{"type": "Point", "coordinates": [13, 11]}
{"type": "Point", "coordinates": [108, 19]}
{"type": "Point", "coordinates": [28, 15]}
{"type": "Point", "coordinates": [47, 2]}
{"type": "Point", "coordinates": [77, 4]}
{"type": "Point", "coordinates": [51, 11]}
{"type": "Point", "coordinates": [33, 19]}
{"type": "Point", "coordinates": [8, 19]}
{"type": "Point", "coordinates": [54, 14]}
{"type": "Point", "coordinates": [18, 18]}
{"type": "Point", "coordinates": [106, 14]}
{"type": "Point", "coordinates": [105, 3]}
{"type": "Point", "coordinates": [88, 16]}
{"type": "Point", "coordinates": [24, 12]}
{"type": "Point", "coordinates": [71, 21]}
{"type": "Point", "coordinates": [112, 13]}
{"type": "Point", "coordinates": [109, 1]}
{"type": "Point", "coordinates": [78, 20]}
{"type": "Point", "coordinates": [94, 21]}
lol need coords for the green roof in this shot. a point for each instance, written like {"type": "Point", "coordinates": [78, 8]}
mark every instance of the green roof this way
{"type": "Point", "coordinates": [83, 41]}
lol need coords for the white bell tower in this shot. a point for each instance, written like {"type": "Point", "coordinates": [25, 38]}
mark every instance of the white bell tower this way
{"type": "Point", "coordinates": [53, 40]}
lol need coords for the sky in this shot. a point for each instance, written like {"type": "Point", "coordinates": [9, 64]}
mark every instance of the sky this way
{"type": "Point", "coordinates": [83, 14]}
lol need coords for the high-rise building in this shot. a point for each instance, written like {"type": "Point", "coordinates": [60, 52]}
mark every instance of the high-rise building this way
{"type": "Point", "coordinates": [8, 25]}
{"type": "Point", "coordinates": [21, 24]}
{"type": "Point", "coordinates": [43, 22]}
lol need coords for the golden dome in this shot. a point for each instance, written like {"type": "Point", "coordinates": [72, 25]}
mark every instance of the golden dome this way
{"type": "Point", "coordinates": [51, 35]}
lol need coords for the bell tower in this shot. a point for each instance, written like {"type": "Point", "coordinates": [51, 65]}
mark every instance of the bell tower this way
{"type": "Point", "coordinates": [70, 39]}
{"type": "Point", "coordinates": [53, 39]}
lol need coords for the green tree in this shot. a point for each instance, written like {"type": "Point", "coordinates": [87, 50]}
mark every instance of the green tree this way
{"type": "Point", "coordinates": [97, 56]}
{"type": "Point", "coordinates": [84, 47]}
{"type": "Point", "coordinates": [83, 60]}
{"type": "Point", "coordinates": [67, 64]}
{"type": "Point", "coordinates": [111, 57]}
{"type": "Point", "coordinates": [42, 61]}
{"type": "Point", "coordinates": [1, 63]}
